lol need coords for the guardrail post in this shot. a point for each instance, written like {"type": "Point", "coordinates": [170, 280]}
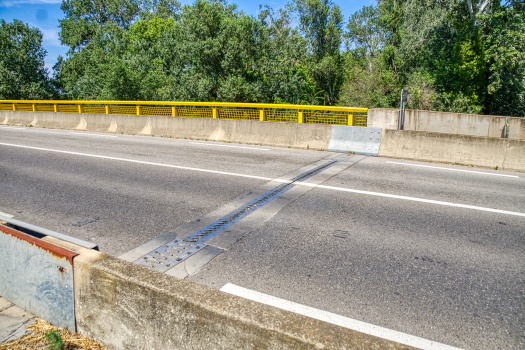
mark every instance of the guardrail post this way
{"type": "Point", "coordinates": [262, 115]}
{"type": "Point", "coordinates": [215, 113]}
{"type": "Point", "coordinates": [174, 111]}
{"type": "Point", "coordinates": [14, 106]}
{"type": "Point", "coordinates": [138, 109]}
{"type": "Point", "coordinates": [55, 107]}
{"type": "Point", "coordinates": [80, 109]}
{"type": "Point", "coordinates": [34, 107]}
{"type": "Point", "coordinates": [107, 109]}
{"type": "Point", "coordinates": [300, 117]}
{"type": "Point", "coordinates": [351, 119]}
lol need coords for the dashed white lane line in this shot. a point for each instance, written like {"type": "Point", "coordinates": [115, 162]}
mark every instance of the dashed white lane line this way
{"type": "Point", "coordinates": [451, 169]}
{"type": "Point", "coordinates": [139, 162]}
{"type": "Point", "coordinates": [335, 319]}
{"type": "Point", "coordinates": [6, 215]}
{"type": "Point", "coordinates": [415, 199]}
{"type": "Point", "coordinates": [214, 144]}
{"type": "Point", "coordinates": [88, 134]}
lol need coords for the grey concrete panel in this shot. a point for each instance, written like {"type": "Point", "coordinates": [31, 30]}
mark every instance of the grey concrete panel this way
{"type": "Point", "coordinates": [37, 278]}
{"type": "Point", "coordinates": [355, 139]}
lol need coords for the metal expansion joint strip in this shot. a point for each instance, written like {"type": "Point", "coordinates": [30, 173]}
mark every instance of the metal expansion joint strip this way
{"type": "Point", "coordinates": [176, 251]}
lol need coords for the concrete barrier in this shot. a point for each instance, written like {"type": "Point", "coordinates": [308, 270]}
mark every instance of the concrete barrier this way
{"type": "Point", "coordinates": [436, 147]}
{"type": "Point", "coordinates": [355, 139]}
{"type": "Point", "coordinates": [447, 123]}
{"type": "Point", "coordinates": [315, 136]}
{"type": "Point", "coordinates": [127, 306]}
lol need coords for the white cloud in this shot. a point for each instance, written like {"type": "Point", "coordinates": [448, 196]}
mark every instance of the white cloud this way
{"type": "Point", "coordinates": [9, 3]}
{"type": "Point", "coordinates": [50, 37]}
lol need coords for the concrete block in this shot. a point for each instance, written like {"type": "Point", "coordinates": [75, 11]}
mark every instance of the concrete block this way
{"type": "Point", "coordinates": [447, 123]}
{"type": "Point", "coordinates": [436, 147]}
{"type": "Point", "coordinates": [386, 118]}
{"type": "Point", "coordinates": [517, 129]}
{"type": "Point", "coordinates": [515, 155]}
{"type": "Point", "coordinates": [355, 139]}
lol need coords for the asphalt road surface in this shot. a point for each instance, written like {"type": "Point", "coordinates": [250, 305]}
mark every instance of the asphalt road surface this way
{"type": "Point", "coordinates": [431, 250]}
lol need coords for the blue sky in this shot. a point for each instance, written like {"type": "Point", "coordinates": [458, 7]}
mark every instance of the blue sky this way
{"type": "Point", "coordinates": [45, 14]}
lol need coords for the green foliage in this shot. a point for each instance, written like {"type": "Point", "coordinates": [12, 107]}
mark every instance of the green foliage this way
{"type": "Point", "coordinates": [54, 339]}
{"type": "Point", "coordinates": [321, 22]}
{"type": "Point", "coordinates": [22, 72]}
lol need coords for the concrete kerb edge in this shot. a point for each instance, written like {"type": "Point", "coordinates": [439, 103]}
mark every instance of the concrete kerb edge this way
{"type": "Point", "coordinates": [164, 312]}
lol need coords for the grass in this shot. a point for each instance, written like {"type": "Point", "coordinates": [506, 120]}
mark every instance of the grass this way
{"type": "Point", "coordinates": [44, 336]}
{"type": "Point", "coordinates": [54, 339]}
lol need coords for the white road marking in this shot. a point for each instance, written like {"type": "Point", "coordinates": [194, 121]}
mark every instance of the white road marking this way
{"type": "Point", "coordinates": [214, 144]}
{"type": "Point", "coordinates": [140, 162]}
{"type": "Point", "coordinates": [335, 319]}
{"type": "Point", "coordinates": [6, 215]}
{"type": "Point", "coordinates": [442, 168]}
{"type": "Point", "coordinates": [450, 204]}
{"type": "Point", "coordinates": [415, 199]}
{"type": "Point", "coordinates": [87, 134]}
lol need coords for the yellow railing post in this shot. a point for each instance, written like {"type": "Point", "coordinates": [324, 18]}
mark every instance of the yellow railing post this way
{"type": "Point", "coordinates": [300, 117]}
{"type": "Point", "coordinates": [55, 107]}
{"type": "Point", "coordinates": [107, 109]}
{"type": "Point", "coordinates": [173, 111]}
{"type": "Point", "coordinates": [215, 113]}
{"type": "Point", "coordinates": [80, 109]}
{"type": "Point", "coordinates": [351, 119]}
{"type": "Point", "coordinates": [34, 107]}
{"type": "Point", "coordinates": [138, 109]}
{"type": "Point", "coordinates": [14, 106]}
{"type": "Point", "coordinates": [262, 115]}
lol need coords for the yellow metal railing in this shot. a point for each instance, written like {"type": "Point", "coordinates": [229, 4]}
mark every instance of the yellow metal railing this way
{"type": "Point", "coordinates": [224, 110]}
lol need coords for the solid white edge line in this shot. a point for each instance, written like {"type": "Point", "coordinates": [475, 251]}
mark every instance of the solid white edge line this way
{"type": "Point", "coordinates": [415, 199]}
{"type": "Point", "coordinates": [335, 319]}
{"type": "Point", "coordinates": [88, 134]}
{"type": "Point", "coordinates": [140, 162]}
{"type": "Point", "coordinates": [466, 171]}
{"type": "Point", "coordinates": [212, 144]}
{"type": "Point", "coordinates": [6, 215]}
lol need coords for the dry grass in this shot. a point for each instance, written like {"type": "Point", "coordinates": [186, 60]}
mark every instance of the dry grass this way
{"type": "Point", "coordinates": [36, 339]}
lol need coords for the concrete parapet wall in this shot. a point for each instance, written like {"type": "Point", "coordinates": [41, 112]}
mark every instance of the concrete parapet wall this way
{"type": "Point", "coordinates": [127, 306]}
{"type": "Point", "coordinates": [313, 136]}
{"type": "Point", "coordinates": [436, 147]}
{"type": "Point", "coordinates": [447, 123]}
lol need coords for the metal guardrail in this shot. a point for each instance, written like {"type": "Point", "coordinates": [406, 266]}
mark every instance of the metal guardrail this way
{"type": "Point", "coordinates": [46, 232]}
{"type": "Point", "coordinates": [223, 110]}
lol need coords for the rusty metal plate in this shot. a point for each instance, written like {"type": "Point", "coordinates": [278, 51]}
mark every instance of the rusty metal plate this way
{"type": "Point", "coordinates": [38, 277]}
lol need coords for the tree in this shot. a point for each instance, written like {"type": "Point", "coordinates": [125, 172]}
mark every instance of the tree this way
{"type": "Point", "coordinates": [22, 72]}
{"type": "Point", "coordinates": [83, 18]}
{"type": "Point", "coordinates": [321, 23]}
